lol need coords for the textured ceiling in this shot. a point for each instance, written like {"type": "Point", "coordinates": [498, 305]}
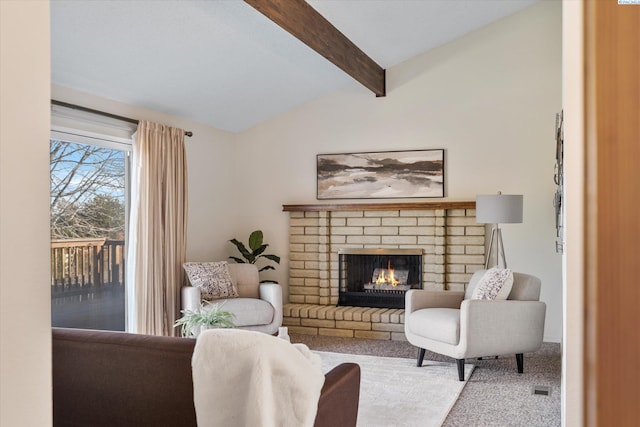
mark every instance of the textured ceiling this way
{"type": "Point", "coordinates": [224, 64]}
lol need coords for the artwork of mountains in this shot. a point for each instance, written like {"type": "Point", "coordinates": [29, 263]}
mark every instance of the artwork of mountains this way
{"type": "Point", "coordinates": [387, 174]}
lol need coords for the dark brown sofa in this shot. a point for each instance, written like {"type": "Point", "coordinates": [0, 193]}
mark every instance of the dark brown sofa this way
{"type": "Point", "coordinates": [118, 379]}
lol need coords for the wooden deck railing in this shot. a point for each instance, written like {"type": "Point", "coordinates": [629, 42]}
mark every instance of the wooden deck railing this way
{"type": "Point", "coordinates": [86, 265]}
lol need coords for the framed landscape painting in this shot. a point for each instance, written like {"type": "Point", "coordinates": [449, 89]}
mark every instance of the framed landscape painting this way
{"type": "Point", "coordinates": [381, 175]}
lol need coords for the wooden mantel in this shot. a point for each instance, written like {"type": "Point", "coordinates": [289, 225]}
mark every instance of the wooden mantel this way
{"type": "Point", "coordinates": [439, 204]}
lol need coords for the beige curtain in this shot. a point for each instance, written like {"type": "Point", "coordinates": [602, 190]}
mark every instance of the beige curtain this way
{"type": "Point", "coordinates": [158, 228]}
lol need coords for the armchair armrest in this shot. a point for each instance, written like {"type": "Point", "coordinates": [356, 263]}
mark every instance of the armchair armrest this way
{"type": "Point", "coordinates": [191, 298]}
{"type": "Point", "coordinates": [490, 328]}
{"type": "Point", "coordinates": [416, 299]}
{"type": "Point", "coordinates": [272, 293]}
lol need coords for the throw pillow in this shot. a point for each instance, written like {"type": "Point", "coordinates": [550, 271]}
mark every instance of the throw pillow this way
{"type": "Point", "coordinates": [213, 279]}
{"type": "Point", "coordinates": [495, 284]}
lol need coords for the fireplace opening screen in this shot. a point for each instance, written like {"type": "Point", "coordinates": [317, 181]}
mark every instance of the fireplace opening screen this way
{"type": "Point", "coordinates": [378, 277]}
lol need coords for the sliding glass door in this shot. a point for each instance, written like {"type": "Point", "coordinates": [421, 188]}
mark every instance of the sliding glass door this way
{"type": "Point", "coordinates": [89, 204]}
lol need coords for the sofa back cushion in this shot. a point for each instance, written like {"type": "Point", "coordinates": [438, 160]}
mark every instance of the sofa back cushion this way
{"type": "Point", "coordinates": [106, 379]}
{"type": "Point", "coordinates": [245, 278]}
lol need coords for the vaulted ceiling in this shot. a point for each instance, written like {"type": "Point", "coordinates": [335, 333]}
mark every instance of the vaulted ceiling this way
{"type": "Point", "coordinates": [223, 63]}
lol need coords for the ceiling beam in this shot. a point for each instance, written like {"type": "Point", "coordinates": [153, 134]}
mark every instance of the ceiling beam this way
{"type": "Point", "coordinates": [311, 28]}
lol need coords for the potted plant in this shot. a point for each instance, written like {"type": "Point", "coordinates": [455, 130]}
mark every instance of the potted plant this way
{"type": "Point", "coordinates": [256, 250]}
{"type": "Point", "coordinates": [210, 315]}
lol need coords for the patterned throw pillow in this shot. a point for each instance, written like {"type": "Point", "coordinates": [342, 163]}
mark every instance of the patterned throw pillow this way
{"type": "Point", "coordinates": [495, 284]}
{"type": "Point", "coordinates": [213, 279]}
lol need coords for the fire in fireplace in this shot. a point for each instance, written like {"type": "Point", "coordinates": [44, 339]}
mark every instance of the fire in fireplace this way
{"type": "Point", "coordinates": [378, 277]}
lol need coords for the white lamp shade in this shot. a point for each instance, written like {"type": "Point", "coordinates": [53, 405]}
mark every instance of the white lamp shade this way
{"type": "Point", "coordinates": [499, 208]}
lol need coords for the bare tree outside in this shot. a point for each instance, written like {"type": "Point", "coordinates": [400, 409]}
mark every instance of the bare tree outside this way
{"type": "Point", "coordinates": [87, 236]}
{"type": "Point", "coordinates": [87, 191]}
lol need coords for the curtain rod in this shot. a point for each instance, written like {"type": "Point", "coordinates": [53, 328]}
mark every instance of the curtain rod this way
{"type": "Point", "coordinates": [102, 113]}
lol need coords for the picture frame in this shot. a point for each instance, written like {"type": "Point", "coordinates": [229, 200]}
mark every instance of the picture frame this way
{"type": "Point", "coordinates": [381, 175]}
{"type": "Point", "coordinates": [558, 179]}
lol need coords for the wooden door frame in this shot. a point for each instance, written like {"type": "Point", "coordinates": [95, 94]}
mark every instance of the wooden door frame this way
{"type": "Point", "coordinates": [612, 204]}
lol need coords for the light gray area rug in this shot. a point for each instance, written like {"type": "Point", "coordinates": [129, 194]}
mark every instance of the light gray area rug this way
{"type": "Point", "coordinates": [396, 393]}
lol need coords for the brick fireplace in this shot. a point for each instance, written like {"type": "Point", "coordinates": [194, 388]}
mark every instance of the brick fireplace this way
{"type": "Point", "coordinates": [452, 245]}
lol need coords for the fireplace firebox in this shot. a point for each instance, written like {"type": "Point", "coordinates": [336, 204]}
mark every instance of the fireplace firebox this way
{"type": "Point", "coordinates": [378, 277]}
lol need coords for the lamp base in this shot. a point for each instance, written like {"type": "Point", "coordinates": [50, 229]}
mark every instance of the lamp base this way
{"type": "Point", "coordinates": [496, 236]}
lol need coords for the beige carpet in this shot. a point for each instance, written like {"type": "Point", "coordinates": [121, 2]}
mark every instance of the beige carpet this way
{"type": "Point", "coordinates": [495, 395]}
{"type": "Point", "coordinates": [394, 392]}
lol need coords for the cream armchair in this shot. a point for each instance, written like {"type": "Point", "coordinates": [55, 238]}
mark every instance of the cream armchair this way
{"type": "Point", "coordinates": [450, 323]}
{"type": "Point", "coordinates": [259, 307]}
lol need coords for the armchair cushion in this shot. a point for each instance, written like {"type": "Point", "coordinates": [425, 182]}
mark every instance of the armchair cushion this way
{"type": "Point", "coordinates": [249, 311]}
{"type": "Point", "coordinates": [212, 278]}
{"type": "Point", "coordinates": [495, 284]}
{"type": "Point", "coordinates": [246, 278]}
{"type": "Point", "coordinates": [439, 324]}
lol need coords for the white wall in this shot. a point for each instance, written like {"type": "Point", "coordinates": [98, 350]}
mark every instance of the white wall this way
{"type": "Point", "coordinates": [488, 98]}
{"type": "Point", "coordinates": [209, 161]}
{"type": "Point", "coordinates": [25, 305]}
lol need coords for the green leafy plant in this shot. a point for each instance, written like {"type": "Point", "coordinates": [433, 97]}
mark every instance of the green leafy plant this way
{"type": "Point", "coordinates": [210, 315]}
{"type": "Point", "coordinates": [255, 251]}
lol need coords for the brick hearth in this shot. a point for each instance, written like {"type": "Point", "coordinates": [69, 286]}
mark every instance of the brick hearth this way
{"type": "Point", "coordinates": [452, 241]}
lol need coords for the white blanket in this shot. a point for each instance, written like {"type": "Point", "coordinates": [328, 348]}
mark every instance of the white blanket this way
{"type": "Point", "coordinates": [244, 378]}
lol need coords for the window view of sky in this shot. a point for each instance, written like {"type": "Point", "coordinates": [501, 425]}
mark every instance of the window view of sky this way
{"type": "Point", "coordinates": [87, 191]}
